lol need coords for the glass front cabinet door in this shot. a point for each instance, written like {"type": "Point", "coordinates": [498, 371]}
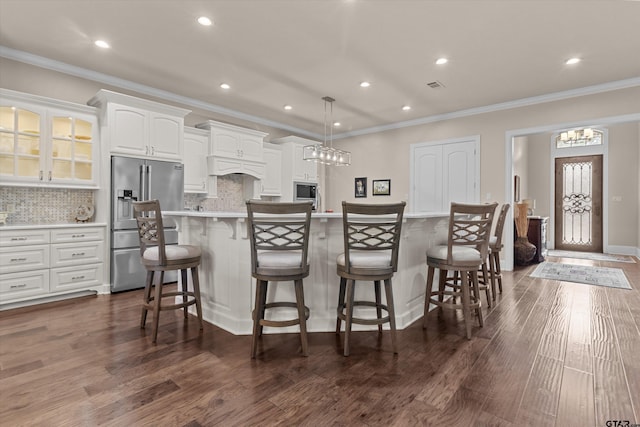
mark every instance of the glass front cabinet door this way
{"type": "Point", "coordinates": [47, 146]}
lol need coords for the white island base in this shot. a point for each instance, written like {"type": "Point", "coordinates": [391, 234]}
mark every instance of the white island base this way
{"type": "Point", "coordinates": [228, 290]}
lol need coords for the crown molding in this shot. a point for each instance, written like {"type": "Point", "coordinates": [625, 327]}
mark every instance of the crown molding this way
{"type": "Point", "coordinates": [42, 62]}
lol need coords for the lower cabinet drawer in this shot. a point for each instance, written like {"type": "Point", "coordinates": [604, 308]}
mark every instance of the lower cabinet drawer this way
{"type": "Point", "coordinates": [65, 254]}
{"type": "Point", "coordinates": [22, 258]}
{"type": "Point", "coordinates": [80, 276]}
{"type": "Point", "coordinates": [22, 285]}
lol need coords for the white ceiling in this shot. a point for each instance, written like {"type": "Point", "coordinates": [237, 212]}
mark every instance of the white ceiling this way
{"type": "Point", "coordinates": [295, 52]}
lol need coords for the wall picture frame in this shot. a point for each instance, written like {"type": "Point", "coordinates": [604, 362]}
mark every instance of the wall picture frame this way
{"type": "Point", "coordinates": [360, 187]}
{"type": "Point", "coordinates": [381, 187]}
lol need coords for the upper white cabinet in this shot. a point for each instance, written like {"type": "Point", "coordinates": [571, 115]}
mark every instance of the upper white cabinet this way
{"type": "Point", "coordinates": [234, 149]}
{"type": "Point", "coordinates": [272, 182]}
{"type": "Point", "coordinates": [295, 168]}
{"type": "Point", "coordinates": [234, 142]}
{"type": "Point", "coordinates": [47, 142]}
{"type": "Point", "coordinates": [196, 142]}
{"type": "Point", "coordinates": [141, 128]}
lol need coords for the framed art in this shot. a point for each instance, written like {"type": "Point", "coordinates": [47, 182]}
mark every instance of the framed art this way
{"type": "Point", "coordinates": [360, 187]}
{"type": "Point", "coordinates": [516, 188]}
{"type": "Point", "coordinates": [381, 187]}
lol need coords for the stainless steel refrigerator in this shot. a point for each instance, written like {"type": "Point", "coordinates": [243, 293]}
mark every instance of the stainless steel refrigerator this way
{"type": "Point", "coordinates": [138, 179]}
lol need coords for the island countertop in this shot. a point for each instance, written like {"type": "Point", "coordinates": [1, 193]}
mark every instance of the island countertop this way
{"type": "Point", "coordinates": [227, 287]}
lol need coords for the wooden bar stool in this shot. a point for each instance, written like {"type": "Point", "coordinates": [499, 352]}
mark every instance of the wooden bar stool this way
{"type": "Point", "coordinates": [464, 254]}
{"type": "Point", "coordinates": [371, 244]}
{"type": "Point", "coordinates": [158, 258]}
{"type": "Point", "coordinates": [495, 246]}
{"type": "Point", "coordinates": [279, 238]}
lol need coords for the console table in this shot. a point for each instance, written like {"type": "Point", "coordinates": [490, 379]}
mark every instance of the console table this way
{"type": "Point", "coordinates": [537, 235]}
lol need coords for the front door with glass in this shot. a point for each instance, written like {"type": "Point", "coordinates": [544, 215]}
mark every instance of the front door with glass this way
{"type": "Point", "coordinates": [578, 203]}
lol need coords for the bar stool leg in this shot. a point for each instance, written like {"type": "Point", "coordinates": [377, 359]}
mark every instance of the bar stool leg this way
{"type": "Point", "coordinates": [392, 314]}
{"type": "Point", "coordinates": [348, 315]}
{"type": "Point", "coordinates": [427, 294]}
{"type": "Point", "coordinates": [258, 314]}
{"type": "Point", "coordinates": [485, 276]}
{"type": "Point", "coordinates": [496, 260]}
{"type": "Point", "coordinates": [343, 284]}
{"type": "Point", "coordinates": [157, 302]}
{"type": "Point", "coordinates": [185, 297]}
{"type": "Point", "coordinates": [302, 317]}
{"type": "Point", "coordinates": [196, 294]}
{"type": "Point", "coordinates": [474, 282]}
{"type": "Point", "coordinates": [466, 301]}
{"type": "Point", "coordinates": [376, 286]}
{"type": "Point", "coordinates": [147, 297]}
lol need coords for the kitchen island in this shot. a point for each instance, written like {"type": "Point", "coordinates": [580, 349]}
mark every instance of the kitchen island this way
{"type": "Point", "coordinates": [227, 288]}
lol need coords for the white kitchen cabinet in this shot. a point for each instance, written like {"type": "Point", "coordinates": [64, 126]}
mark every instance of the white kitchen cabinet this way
{"type": "Point", "coordinates": [46, 142]}
{"type": "Point", "coordinates": [294, 167]}
{"type": "Point", "coordinates": [196, 143]}
{"type": "Point", "coordinates": [272, 182]}
{"type": "Point", "coordinates": [43, 262]}
{"type": "Point", "coordinates": [234, 142]}
{"type": "Point", "coordinates": [140, 128]}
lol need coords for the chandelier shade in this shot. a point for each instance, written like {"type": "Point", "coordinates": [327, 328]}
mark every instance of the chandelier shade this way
{"type": "Point", "coordinates": [325, 153]}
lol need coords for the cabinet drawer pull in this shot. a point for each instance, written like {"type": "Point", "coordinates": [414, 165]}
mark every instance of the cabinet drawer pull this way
{"type": "Point", "coordinates": [77, 278]}
{"type": "Point", "coordinates": [24, 285]}
{"type": "Point", "coordinates": [18, 259]}
{"type": "Point", "coordinates": [75, 236]}
{"type": "Point", "coordinates": [13, 239]}
{"type": "Point", "coordinates": [78, 254]}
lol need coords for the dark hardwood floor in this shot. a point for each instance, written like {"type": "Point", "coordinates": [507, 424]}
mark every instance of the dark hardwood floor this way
{"type": "Point", "coordinates": [551, 353]}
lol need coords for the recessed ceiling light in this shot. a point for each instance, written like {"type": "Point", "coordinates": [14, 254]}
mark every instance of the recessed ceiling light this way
{"type": "Point", "coordinates": [336, 124]}
{"type": "Point", "coordinates": [203, 20]}
{"type": "Point", "coordinates": [103, 44]}
{"type": "Point", "coordinates": [365, 84]}
{"type": "Point", "coordinates": [572, 61]}
{"type": "Point", "coordinates": [225, 86]}
{"type": "Point", "coordinates": [288, 107]}
{"type": "Point", "coordinates": [442, 61]}
{"type": "Point", "coordinates": [406, 108]}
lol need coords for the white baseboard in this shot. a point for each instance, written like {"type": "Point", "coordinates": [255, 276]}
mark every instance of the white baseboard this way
{"type": "Point", "coordinates": [623, 250]}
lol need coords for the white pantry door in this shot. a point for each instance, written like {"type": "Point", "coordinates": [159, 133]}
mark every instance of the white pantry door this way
{"type": "Point", "coordinates": [444, 172]}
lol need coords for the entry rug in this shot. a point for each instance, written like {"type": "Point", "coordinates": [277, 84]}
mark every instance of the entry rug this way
{"type": "Point", "coordinates": [591, 256]}
{"type": "Point", "coordinates": [586, 274]}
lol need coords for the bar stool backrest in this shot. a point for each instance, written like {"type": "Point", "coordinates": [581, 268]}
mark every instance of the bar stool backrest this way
{"type": "Point", "coordinates": [502, 217]}
{"type": "Point", "coordinates": [150, 227]}
{"type": "Point", "coordinates": [470, 226]}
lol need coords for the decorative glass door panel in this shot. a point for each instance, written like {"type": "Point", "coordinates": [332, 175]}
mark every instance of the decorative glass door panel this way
{"type": "Point", "coordinates": [71, 149]}
{"type": "Point", "coordinates": [19, 143]}
{"type": "Point", "coordinates": [578, 203]}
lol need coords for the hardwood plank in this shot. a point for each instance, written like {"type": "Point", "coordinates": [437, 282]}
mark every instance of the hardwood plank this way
{"type": "Point", "coordinates": [539, 402]}
{"type": "Point", "coordinates": [576, 399]}
{"type": "Point", "coordinates": [612, 400]}
{"type": "Point", "coordinates": [578, 351]}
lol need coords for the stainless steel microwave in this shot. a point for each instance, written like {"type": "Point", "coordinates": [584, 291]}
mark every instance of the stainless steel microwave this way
{"type": "Point", "coordinates": [305, 191]}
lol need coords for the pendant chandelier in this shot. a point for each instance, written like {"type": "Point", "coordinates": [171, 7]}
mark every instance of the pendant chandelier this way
{"type": "Point", "coordinates": [325, 153]}
{"type": "Point", "coordinates": [579, 137]}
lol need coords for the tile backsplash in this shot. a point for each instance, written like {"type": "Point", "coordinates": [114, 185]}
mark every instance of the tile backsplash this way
{"type": "Point", "coordinates": [230, 196]}
{"type": "Point", "coordinates": [42, 205]}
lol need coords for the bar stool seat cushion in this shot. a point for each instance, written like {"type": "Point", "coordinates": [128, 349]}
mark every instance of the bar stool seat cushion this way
{"type": "Point", "coordinates": [367, 259]}
{"type": "Point", "coordinates": [458, 254]}
{"type": "Point", "coordinates": [279, 259]}
{"type": "Point", "coordinates": [173, 252]}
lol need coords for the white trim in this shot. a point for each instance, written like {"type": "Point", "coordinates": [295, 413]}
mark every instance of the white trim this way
{"type": "Point", "coordinates": [508, 180]}
{"type": "Point", "coordinates": [591, 150]}
{"type": "Point", "coordinates": [623, 250]}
